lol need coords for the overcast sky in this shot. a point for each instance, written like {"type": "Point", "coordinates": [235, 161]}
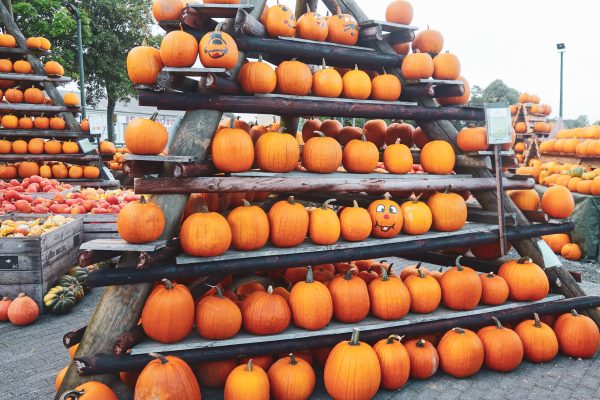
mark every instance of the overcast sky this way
{"type": "Point", "coordinates": [516, 41]}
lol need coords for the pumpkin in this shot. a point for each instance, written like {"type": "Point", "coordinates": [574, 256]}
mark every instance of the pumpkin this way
{"type": "Point", "coordinates": [311, 303]}
{"type": "Point", "coordinates": [416, 216]}
{"type": "Point", "coordinates": [59, 171]}
{"type": "Point", "coordinates": [402, 131]}
{"type": "Point", "coordinates": [53, 68]}
{"type": "Point", "coordinates": [288, 223]}
{"type": "Point", "coordinates": [397, 158]}
{"type": "Point", "coordinates": [446, 66]}
{"type": "Point", "coordinates": [6, 65]}
{"type": "Point", "coordinates": [10, 122]}
{"type": "Point", "coordinates": [168, 314]}
{"type": "Point", "coordinates": [205, 234]}
{"type": "Point", "coordinates": [71, 100]}
{"type": "Point", "coordinates": [472, 138]}
{"type": "Point", "coordinates": [33, 96]}
{"type": "Point", "coordinates": [247, 381]}
{"type": "Point", "coordinates": [558, 202]}
{"type": "Point", "coordinates": [157, 379]}
{"type": "Point", "coordinates": [360, 156]}
{"type": "Point", "coordinates": [386, 87]}
{"type": "Point", "coordinates": [413, 270]}
{"type": "Point", "coordinates": [525, 200]}
{"type": "Point", "coordinates": [327, 82]}
{"type": "Point", "coordinates": [218, 49]}
{"type": "Point", "coordinates": [399, 12]}
{"type": "Point", "coordinates": [75, 172]}
{"type": "Point", "coordinates": [280, 21]}
{"type": "Point", "coordinates": [461, 287]}
{"type": "Point", "coordinates": [386, 218]}
{"type": "Point", "coordinates": [249, 227]}
{"type": "Point", "coordinates": [91, 172]}
{"type": "Point", "coordinates": [494, 289]}
{"type": "Point", "coordinates": [214, 373]}
{"type": "Point", "coordinates": [140, 222]}
{"type": "Point", "coordinates": [502, 347]}
{"type": "Point", "coordinates": [13, 96]}
{"type": "Point", "coordinates": [5, 146]}
{"type": "Point", "coordinates": [438, 157]}
{"type": "Point", "coordinates": [322, 154]}
{"type": "Point", "coordinates": [324, 224]}
{"type": "Point", "coordinates": [59, 300]}
{"type": "Point", "coordinates": [312, 26]}
{"type": "Point", "coordinates": [571, 251]}
{"type": "Point", "coordinates": [349, 359]}
{"type": "Point", "coordinates": [417, 65]}
{"type": "Point", "coordinates": [20, 147]}
{"type": "Point", "coordinates": [53, 146]}
{"type": "Point", "coordinates": [7, 40]}
{"type": "Point", "coordinates": [357, 84]}
{"type": "Point", "coordinates": [390, 299]}
{"type": "Point", "coordinates": [178, 49]}
{"type": "Point", "coordinates": [425, 292]}
{"type": "Point", "coordinates": [79, 273]}
{"type": "Point", "coordinates": [217, 317]}
{"type": "Point", "coordinates": [578, 335]}
{"type": "Point", "coordinates": [23, 67]}
{"type": "Point", "coordinates": [331, 128]}
{"type": "Point", "coordinates": [488, 251]}
{"type": "Point", "coordinates": [257, 77]}
{"type": "Point", "coordinates": [449, 211]}
{"type": "Point", "coordinates": [350, 297]}
{"type": "Point", "coordinates": [461, 353]}
{"type": "Point", "coordinates": [41, 122]}
{"type": "Point", "coordinates": [457, 100]}
{"type": "Point", "coordinates": [57, 123]}
{"type": "Point", "coordinates": [310, 128]}
{"type": "Point", "coordinates": [540, 343]}
{"type": "Point", "coordinates": [277, 152]}
{"type": "Point", "coordinates": [4, 304]}
{"type": "Point", "coordinates": [60, 377]}
{"type": "Point", "coordinates": [375, 130]}
{"type": "Point", "coordinates": [146, 136]}
{"type": "Point", "coordinates": [291, 378]}
{"type": "Point", "coordinates": [293, 77]}
{"type": "Point", "coordinates": [424, 358]}
{"type": "Point", "coordinates": [265, 313]}
{"type": "Point", "coordinates": [67, 147]}
{"type": "Point", "coordinates": [90, 391]}
{"type": "Point", "coordinates": [394, 362]}
{"type": "Point", "coordinates": [72, 284]}
{"type": "Point", "coordinates": [428, 41]}
{"type": "Point", "coordinates": [355, 223]}
{"type": "Point", "coordinates": [27, 169]}
{"type": "Point", "coordinates": [167, 10]}
{"type": "Point", "coordinates": [232, 150]}
{"type": "Point", "coordinates": [23, 310]}
{"type": "Point", "coordinates": [526, 280]}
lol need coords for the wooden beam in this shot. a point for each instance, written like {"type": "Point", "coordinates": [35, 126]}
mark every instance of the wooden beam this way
{"type": "Point", "coordinates": [147, 259]}
{"type": "Point", "coordinates": [89, 257]}
{"type": "Point", "coordinates": [129, 339]}
{"type": "Point", "coordinates": [246, 24]}
{"type": "Point", "coordinates": [566, 284]}
{"type": "Point", "coordinates": [70, 339]}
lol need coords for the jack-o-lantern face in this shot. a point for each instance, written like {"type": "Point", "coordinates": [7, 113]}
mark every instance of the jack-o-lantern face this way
{"type": "Point", "coordinates": [280, 21]}
{"type": "Point", "coordinates": [386, 217]}
{"type": "Point", "coordinates": [216, 46]}
{"type": "Point", "coordinates": [218, 50]}
{"type": "Point", "coordinates": [343, 28]}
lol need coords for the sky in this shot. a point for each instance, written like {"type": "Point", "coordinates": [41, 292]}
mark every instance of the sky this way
{"type": "Point", "coordinates": [515, 40]}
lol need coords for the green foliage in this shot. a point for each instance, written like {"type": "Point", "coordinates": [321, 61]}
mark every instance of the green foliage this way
{"type": "Point", "coordinates": [498, 92]}
{"type": "Point", "coordinates": [579, 122]}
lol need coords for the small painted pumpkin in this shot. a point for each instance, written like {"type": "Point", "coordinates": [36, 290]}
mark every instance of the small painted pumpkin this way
{"type": "Point", "coordinates": [386, 217]}
{"type": "Point", "coordinates": [343, 28]}
{"type": "Point", "coordinates": [218, 49]}
{"type": "Point", "coordinates": [280, 21]}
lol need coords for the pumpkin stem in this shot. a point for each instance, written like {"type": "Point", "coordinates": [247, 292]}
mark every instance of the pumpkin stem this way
{"type": "Point", "coordinates": [163, 359]}
{"type": "Point", "coordinates": [326, 204]}
{"type": "Point", "coordinates": [384, 72]}
{"type": "Point", "coordinates": [387, 196]}
{"type": "Point", "coordinates": [356, 67]}
{"type": "Point", "coordinates": [21, 295]}
{"type": "Point", "coordinates": [307, 8]}
{"type": "Point", "coordinates": [447, 189]}
{"type": "Point", "coordinates": [348, 274]}
{"type": "Point", "coordinates": [292, 356]}
{"type": "Point", "coordinates": [524, 260]}
{"type": "Point", "coordinates": [323, 65]}
{"type": "Point", "coordinates": [246, 203]}
{"type": "Point", "coordinates": [460, 331]}
{"type": "Point", "coordinates": [337, 8]}
{"type": "Point", "coordinates": [143, 199]}
{"type": "Point", "coordinates": [219, 27]}
{"type": "Point", "coordinates": [498, 323]}
{"type": "Point", "coordinates": [421, 343]}
{"type": "Point", "coordinates": [420, 273]}
{"type": "Point", "coordinates": [231, 123]}
{"type": "Point", "coordinates": [291, 200]}
{"type": "Point", "coordinates": [417, 198]}
{"type": "Point", "coordinates": [490, 275]}
{"type": "Point", "coordinates": [270, 289]}
{"type": "Point", "coordinates": [219, 290]}
{"type": "Point", "coordinates": [204, 209]}
{"type": "Point", "coordinates": [574, 313]}
{"type": "Point", "coordinates": [260, 59]}
{"type": "Point", "coordinates": [319, 133]}
{"type": "Point", "coordinates": [398, 141]}
{"type": "Point", "coordinates": [363, 137]}
{"type": "Point", "coordinates": [391, 338]}
{"type": "Point", "coordinates": [168, 284]}
{"type": "Point", "coordinates": [72, 394]}
{"type": "Point", "coordinates": [154, 116]}
{"type": "Point", "coordinates": [145, 41]}
{"type": "Point", "coordinates": [249, 366]}
{"type": "Point", "coordinates": [309, 275]}
{"type": "Point", "coordinates": [536, 318]}
{"type": "Point", "coordinates": [355, 204]}
{"type": "Point", "coordinates": [459, 267]}
{"type": "Point", "coordinates": [384, 274]}
{"type": "Point", "coordinates": [354, 338]}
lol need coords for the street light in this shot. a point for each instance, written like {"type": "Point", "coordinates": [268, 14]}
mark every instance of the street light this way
{"type": "Point", "coordinates": [75, 12]}
{"type": "Point", "coordinates": [561, 49]}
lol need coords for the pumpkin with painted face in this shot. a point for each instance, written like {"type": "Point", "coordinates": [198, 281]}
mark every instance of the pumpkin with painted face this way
{"type": "Point", "coordinates": [218, 50]}
{"type": "Point", "coordinates": [386, 217]}
{"type": "Point", "coordinates": [280, 21]}
{"type": "Point", "coordinates": [343, 28]}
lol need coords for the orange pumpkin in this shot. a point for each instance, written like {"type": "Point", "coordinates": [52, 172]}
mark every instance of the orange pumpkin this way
{"type": "Point", "coordinates": [144, 63]}
{"type": "Point", "coordinates": [280, 21]}
{"type": "Point", "coordinates": [397, 158]}
{"type": "Point", "coordinates": [461, 353]}
{"type": "Point", "coordinates": [457, 100]}
{"type": "Point", "coordinates": [558, 202]}
{"type": "Point", "coordinates": [140, 222]}
{"type": "Point", "coordinates": [19, 147]}
{"type": "Point", "coordinates": [539, 340]}
{"type": "Point", "coordinates": [33, 96]}
{"type": "Point", "coordinates": [257, 77]}
{"type": "Point", "coordinates": [312, 26]}
{"type": "Point", "coordinates": [14, 96]}
{"type": "Point", "coordinates": [217, 317]}
{"type": "Point", "coordinates": [205, 234]}
{"type": "Point", "coordinates": [265, 313]}
{"type": "Point", "coordinates": [35, 146]}
{"type": "Point", "coordinates": [53, 68]}
{"type": "Point", "coordinates": [355, 222]}
{"type": "Point", "coordinates": [350, 297]}
{"type": "Point", "coordinates": [288, 222]}
{"type": "Point", "coordinates": [461, 287]}
{"type": "Point", "coordinates": [247, 381]}
{"type": "Point", "coordinates": [167, 10]}
{"type": "Point", "coordinates": [277, 152]}
{"type": "Point", "coordinates": [386, 87]}
{"type": "Point", "coordinates": [6, 65]}
{"type": "Point", "coordinates": [22, 67]}
{"type": "Point", "coordinates": [375, 130]}
{"type": "Point", "coordinates": [70, 147]}
{"type": "Point", "coordinates": [91, 390]}
{"type": "Point", "coordinates": [360, 156]}
{"type": "Point", "coordinates": [424, 358]}
{"type": "Point", "coordinates": [446, 66]}
{"type": "Point", "coordinates": [571, 251]}
{"type": "Point", "coordinates": [157, 377]}
{"type": "Point", "coordinates": [394, 362]}
{"type": "Point", "coordinates": [52, 147]}
{"type": "Point", "coordinates": [472, 139]}
{"type": "Point", "coordinates": [343, 28]}
{"type": "Point", "coordinates": [71, 100]}
{"type": "Point", "coordinates": [428, 41]}
{"type": "Point", "coordinates": [449, 211]}
{"type": "Point", "coordinates": [399, 12]}
{"type": "Point", "coordinates": [57, 123]}
{"type": "Point", "coordinates": [494, 289]}
{"type": "Point", "coordinates": [577, 335]}
{"type": "Point", "coordinates": [27, 169]}
{"type": "Point", "coordinates": [25, 123]}
{"type": "Point", "coordinates": [218, 50]}
{"type": "Point", "coordinates": [357, 84]}
{"type": "Point", "coordinates": [311, 303]}
{"type": "Point", "coordinates": [386, 217]}
{"type": "Point", "coordinates": [41, 122]}
{"type": "Point", "coordinates": [293, 77]}
{"type": "Point", "coordinates": [438, 157]}
{"type": "Point", "coordinates": [324, 225]}
{"type": "Point", "coordinates": [327, 82]}
{"type": "Point", "coordinates": [502, 347]}
{"type": "Point", "coordinates": [526, 280]}
{"type": "Point", "coordinates": [417, 217]}
{"type": "Point", "coordinates": [178, 49]}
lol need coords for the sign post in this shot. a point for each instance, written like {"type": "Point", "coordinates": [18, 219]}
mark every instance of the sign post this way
{"type": "Point", "coordinates": [498, 125]}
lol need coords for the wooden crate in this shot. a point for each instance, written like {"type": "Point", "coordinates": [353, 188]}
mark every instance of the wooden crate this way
{"type": "Point", "coordinates": [99, 226]}
{"type": "Point", "coordinates": [32, 264]}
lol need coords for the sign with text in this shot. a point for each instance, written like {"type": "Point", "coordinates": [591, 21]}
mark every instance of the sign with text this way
{"type": "Point", "coordinates": [86, 146]}
{"type": "Point", "coordinates": [498, 123]}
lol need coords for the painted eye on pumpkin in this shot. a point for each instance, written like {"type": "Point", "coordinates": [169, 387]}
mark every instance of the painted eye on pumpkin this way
{"type": "Point", "coordinates": [393, 210]}
{"type": "Point", "coordinates": [380, 208]}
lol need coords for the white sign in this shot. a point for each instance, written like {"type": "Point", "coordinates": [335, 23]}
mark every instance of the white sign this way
{"type": "Point", "coordinates": [498, 123]}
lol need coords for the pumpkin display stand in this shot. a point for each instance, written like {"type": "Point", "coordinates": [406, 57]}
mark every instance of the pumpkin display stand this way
{"type": "Point", "coordinates": [39, 79]}
{"type": "Point", "coordinates": [113, 341]}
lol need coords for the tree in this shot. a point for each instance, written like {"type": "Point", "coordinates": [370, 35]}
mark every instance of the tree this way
{"type": "Point", "coordinates": [498, 92]}
{"type": "Point", "coordinates": [110, 29]}
{"type": "Point", "coordinates": [579, 122]}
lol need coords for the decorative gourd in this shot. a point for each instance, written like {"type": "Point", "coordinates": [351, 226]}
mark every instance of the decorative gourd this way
{"type": "Point", "coordinates": [247, 381]}
{"type": "Point", "coordinates": [168, 314]}
{"type": "Point", "coordinates": [386, 87]}
{"type": "Point", "coordinates": [327, 82]}
{"type": "Point", "coordinates": [140, 222]}
{"type": "Point", "coordinates": [461, 352]}
{"type": "Point", "coordinates": [277, 152]}
{"type": "Point", "coordinates": [472, 138]}
{"type": "Point", "coordinates": [577, 335]}
{"type": "Point", "coordinates": [90, 391]}
{"type": "Point", "coordinates": [386, 218]}
{"type": "Point", "coordinates": [265, 313]}
{"type": "Point", "coordinates": [144, 64]}
{"type": "Point", "coordinates": [257, 77]}
{"type": "Point", "coordinates": [249, 227]}
{"type": "Point", "coordinates": [526, 280]}
{"type": "Point", "coordinates": [539, 340]}
{"type": "Point", "coordinates": [393, 361]}
{"type": "Point", "coordinates": [360, 156]}
{"type": "Point", "coordinates": [178, 49]}
{"type": "Point", "coordinates": [424, 358]}
{"type": "Point", "coordinates": [23, 310]}
{"type": "Point", "coordinates": [449, 211]}
{"type": "Point", "coordinates": [214, 373]}
{"type": "Point", "coordinates": [399, 12]}
{"type": "Point", "coordinates": [167, 10]}
{"type": "Point", "coordinates": [291, 378]}
{"type": "Point", "coordinates": [321, 154]}
{"type": "Point", "coordinates": [232, 150]}
{"type": "Point", "coordinates": [494, 289]}
{"type": "Point", "coordinates": [312, 26]}
{"type": "Point", "coordinates": [417, 65]}
{"type": "Point", "coordinates": [205, 234]}
{"type": "Point", "coordinates": [428, 41]}
{"type": "Point", "coordinates": [343, 28]}
{"type": "Point", "coordinates": [349, 359]}
{"type": "Point", "coordinates": [502, 347]}
{"type": "Point", "coordinates": [53, 68]}
{"type": "Point", "coordinates": [390, 299]}
{"type": "Point", "coordinates": [355, 223]}
{"type": "Point", "coordinates": [33, 96]}
{"type": "Point", "coordinates": [157, 379]}
{"type": "Point", "coordinates": [350, 297]}
{"type": "Point", "coordinates": [217, 317]}
{"type": "Point", "coordinates": [457, 100]}
{"type": "Point", "coordinates": [324, 225]}
{"type": "Point", "coordinates": [558, 202]}
{"type": "Point", "coordinates": [311, 303]}
{"type": "Point", "coordinates": [59, 300]}
{"type": "Point", "coordinates": [4, 304]}
{"type": "Point", "coordinates": [280, 21]}
{"type": "Point", "coordinates": [425, 292]}
{"type": "Point", "coordinates": [461, 287]}
{"type": "Point", "coordinates": [288, 223]}
{"type": "Point", "coordinates": [218, 49]}
{"type": "Point", "coordinates": [357, 84]}
{"type": "Point", "coordinates": [416, 216]}
{"type": "Point", "coordinates": [526, 200]}
{"type": "Point", "coordinates": [446, 66]}
{"type": "Point", "coordinates": [438, 157]}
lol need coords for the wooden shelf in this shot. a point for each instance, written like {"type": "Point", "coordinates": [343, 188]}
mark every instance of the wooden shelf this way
{"type": "Point", "coordinates": [121, 245]}
{"type": "Point", "coordinates": [45, 134]}
{"type": "Point", "coordinates": [326, 44]}
{"type": "Point", "coordinates": [571, 159]}
{"type": "Point", "coordinates": [220, 10]}
{"type": "Point", "coordinates": [196, 72]}
{"type": "Point", "coordinates": [33, 78]}
{"type": "Point", "coordinates": [388, 26]}
{"type": "Point", "coordinates": [70, 158]}
{"type": "Point", "coordinates": [36, 108]}
{"type": "Point", "coordinates": [161, 159]}
{"type": "Point", "coordinates": [19, 51]}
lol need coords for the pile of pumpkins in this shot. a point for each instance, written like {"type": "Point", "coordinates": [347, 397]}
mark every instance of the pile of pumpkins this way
{"type": "Point", "coordinates": [557, 201]}
{"type": "Point", "coordinates": [583, 142]}
{"type": "Point", "coordinates": [33, 43]}
{"type": "Point", "coordinates": [38, 146]}
{"type": "Point", "coordinates": [11, 122]}
{"type": "Point", "coordinates": [52, 169]}
{"type": "Point", "coordinates": [560, 243]}
{"type": "Point", "coordinates": [7, 66]}
{"type": "Point", "coordinates": [576, 178]}
{"type": "Point", "coordinates": [68, 290]}
{"type": "Point", "coordinates": [21, 311]}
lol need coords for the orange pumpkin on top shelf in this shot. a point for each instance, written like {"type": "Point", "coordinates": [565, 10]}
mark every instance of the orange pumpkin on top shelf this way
{"type": "Point", "coordinates": [144, 64]}
{"type": "Point", "coordinates": [312, 26]}
{"type": "Point", "coordinates": [280, 21]}
{"type": "Point", "coordinates": [218, 49]}
{"type": "Point", "coordinates": [343, 28]}
{"type": "Point", "coordinates": [417, 65]}
{"type": "Point", "coordinates": [399, 12]}
{"type": "Point", "coordinates": [178, 49]}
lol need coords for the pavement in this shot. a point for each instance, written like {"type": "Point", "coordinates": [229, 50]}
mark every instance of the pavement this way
{"type": "Point", "coordinates": [31, 356]}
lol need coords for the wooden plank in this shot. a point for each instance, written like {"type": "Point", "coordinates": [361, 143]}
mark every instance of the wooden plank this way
{"type": "Point", "coordinates": [34, 290]}
{"type": "Point", "coordinates": [159, 158]}
{"type": "Point", "coordinates": [343, 46]}
{"type": "Point", "coordinates": [108, 227]}
{"type": "Point", "coordinates": [69, 158]}
{"type": "Point", "coordinates": [36, 108]}
{"type": "Point", "coordinates": [220, 10]}
{"type": "Point", "coordinates": [19, 51]}
{"type": "Point", "coordinates": [45, 134]}
{"type": "Point", "coordinates": [61, 233]}
{"type": "Point", "coordinates": [489, 217]}
{"type": "Point", "coordinates": [432, 81]}
{"type": "Point", "coordinates": [388, 26]}
{"type": "Point", "coordinates": [121, 245]}
{"type": "Point", "coordinates": [334, 99]}
{"type": "Point", "coordinates": [25, 261]}
{"type": "Point", "coordinates": [99, 218]}
{"type": "Point", "coordinates": [34, 78]}
{"type": "Point", "coordinates": [89, 236]}
{"type": "Point", "coordinates": [194, 71]}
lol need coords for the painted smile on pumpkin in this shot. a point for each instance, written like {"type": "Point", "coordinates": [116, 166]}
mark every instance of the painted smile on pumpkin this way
{"type": "Point", "coordinates": [384, 228]}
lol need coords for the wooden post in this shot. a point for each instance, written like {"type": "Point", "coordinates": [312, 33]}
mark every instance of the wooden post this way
{"type": "Point", "coordinates": [8, 5]}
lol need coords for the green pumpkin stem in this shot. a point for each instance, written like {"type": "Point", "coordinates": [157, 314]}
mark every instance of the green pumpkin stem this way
{"type": "Point", "coordinates": [524, 260]}
{"type": "Point", "coordinates": [323, 64]}
{"type": "Point", "coordinates": [490, 275]}
{"type": "Point", "coordinates": [232, 123]}
{"type": "Point", "coordinates": [168, 284]}
{"type": "Point", "coordinates": [574, 313]}
{"type": "Point", "coordinates": [458, 330]}
{"type": "Point", "coordinates": [354, 338]}
{"type": "Point", "coordinates": [291, 200]}
{"type": "Point", "coordinates": [417, 198]}
{"type": "Point", "coordinates": [319, 133]}
{"type": "Point", "coordinates": [536, 318]}
{"type": "Point", "coordinates": [348, 274]}
{"type": "Point", "coordinates": [498, 323]}
{"type": "Point", "coordinates": [459, 267]}
{"type": "Point", "coordinates": [447, 189]}
{"type": "Point", "coordinates": [308, 8]}
{"type": "Point", "coordinates": [204, 209]}
{"type": "Point", "coordinates": [219, 291]}
{"type": "Point", "coordinates": [391, 338]}
{"type": "Point", "coordinates": [260, 59]}
{"type": "Point", "coordinates": [421, 343]}
{"type": "Point", "coordinates": [363, 137]}
{"type": "Point", "coordinates": [309, 275]}
{"type": "Point", "coordinates": [246, 203]}
{"type": "Point", "coordinates": [420, 273]}
{"type": "Point", "coordinates": [292, 356]}
{"type": "Point", "coordinates": [384, 274]}
{"type": "Point", "coordinates": [154, 116]}
{"type": "Point", "coordinates": [325, 205]}
{"type": "Point", "coordinates": [163, 359]}
{"type": "Point", "coordinates": [219, 27]}
{"type": "Point", "coordinates": [249, 366]}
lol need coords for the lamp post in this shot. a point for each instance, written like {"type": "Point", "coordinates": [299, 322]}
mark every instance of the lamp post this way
{"type": "Point", "coordinates": [75, 12]}
{"type": "Point", "coordinates": [561, 49]}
